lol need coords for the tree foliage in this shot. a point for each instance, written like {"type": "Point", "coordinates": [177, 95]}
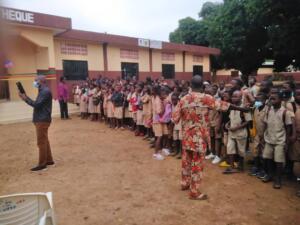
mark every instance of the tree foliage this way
{"type": "Point", "coordinates": [247, 31]}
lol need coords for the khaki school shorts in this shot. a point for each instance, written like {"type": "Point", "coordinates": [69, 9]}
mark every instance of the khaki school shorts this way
{"type": "Point", "coordinates": [294, 151]}
{"type": "Point", "coordinates": [236, 146]}
{"type": "Point", "coordinates": [274, 151]}
{"type": "Point", "coordinates": [118, 113]}
{"type": "Point", "coordinates": [139, 118]}
{"type": "Point", "coordinates": [160, 129]}
{"type": "Point", "coordinates": [147, 120]}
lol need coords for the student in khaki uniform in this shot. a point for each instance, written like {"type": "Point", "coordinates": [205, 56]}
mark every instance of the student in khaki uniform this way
{"type": "Point", "coordinates": [295, 154]}
{"type": "Point", "coordinates": [237, 134]}
{"type": "Point", "coordinates": [177, 129]}
{"type": "Point", "coordinates": [278, 126]}
{"type": "Point", "coordinates": [158, 128]}
{"type": "Point", "coordinates": [147, 110]}
{"type": "Point", "coordinates": [215, 131]}
{"type": "Point", "coordinates": [258, 142]}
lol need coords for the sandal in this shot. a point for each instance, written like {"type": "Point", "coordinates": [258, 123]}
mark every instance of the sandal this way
{"type": "Point", "coordinates": [200, 197]}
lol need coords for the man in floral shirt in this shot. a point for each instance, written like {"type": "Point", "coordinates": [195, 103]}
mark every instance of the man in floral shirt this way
{"type": "Point", "coordinates": [193, 111]}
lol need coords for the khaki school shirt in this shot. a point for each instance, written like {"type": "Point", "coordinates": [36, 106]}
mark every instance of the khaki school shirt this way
{"type": "Point", "coordinates": [147, 103]}
{"type": "Point", "coordinates": [259, 117]}
{"type": "Point", "coordinates": [297, 120]}
{"type": "Point", "coordinates": [236, 120]}
{"type": "Point", "coordinates": [275, 133]}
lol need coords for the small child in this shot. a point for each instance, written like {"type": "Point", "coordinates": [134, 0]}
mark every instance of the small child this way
{"type": "Point", "coordinates": [259, 114]}
{"type": "Point", "coordinates": [147, 110]}
{"type": "Point", "coordinates": [158, 111]}
{"type": "Point", "coordinates": [83, 105]}
{"type": "Point", "coordinates": [278, 126]}
{"type": "Point", "coordinates": [215, 130]}
{"type": "Point", "coordinates": [110, 108]}
{"type": "Point", "coordinates": [139, 113]}
{"type": "Point", "coordinates": [237, 135]}
{"type": "Point", "coordinates": [177, 129]}
{"type": "Point", "coordinates": [165, 120]}
{"type": "Point", "coordinates": [295, 156]}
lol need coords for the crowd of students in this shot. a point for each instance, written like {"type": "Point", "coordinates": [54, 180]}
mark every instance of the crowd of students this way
{"type": "Point", "coordinates": [269, 133]}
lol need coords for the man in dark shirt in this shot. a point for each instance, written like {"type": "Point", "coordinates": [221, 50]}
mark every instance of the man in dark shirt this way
{"type": "Point", "coordinates": [42, 108]}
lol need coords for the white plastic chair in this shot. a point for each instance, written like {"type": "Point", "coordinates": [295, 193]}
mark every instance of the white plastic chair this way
{"type": "Point", "coordinates": [27, 209]}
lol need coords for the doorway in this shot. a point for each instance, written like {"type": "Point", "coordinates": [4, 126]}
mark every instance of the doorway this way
{"type": "Point", "coordinates": [198, 70]}
{"type": "Point", "coordinates": [129, 70]}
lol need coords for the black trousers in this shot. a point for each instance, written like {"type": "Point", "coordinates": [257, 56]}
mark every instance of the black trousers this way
{"type": "Point", "coordinates": [63, 109]}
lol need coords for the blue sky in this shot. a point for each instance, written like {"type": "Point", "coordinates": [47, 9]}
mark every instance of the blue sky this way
{"type": "Point", "coordinates": [152, 19]}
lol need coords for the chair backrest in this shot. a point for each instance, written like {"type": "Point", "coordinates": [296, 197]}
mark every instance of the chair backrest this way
{"type": "Point", "coordinates": [27, 208]}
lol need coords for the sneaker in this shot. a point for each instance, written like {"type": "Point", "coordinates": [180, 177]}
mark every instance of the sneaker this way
{"type": "Point", "coordinates": [166, 151]}
{"type": "Point", "coordinates": [210, 156]}
{"type": "Point", "coordinates": [253, 171]}
{"type": "Point", "coordinates": [158, 156]}
{"type": "Point", "coordinates": [224, 164]}
{"type": "Point", "coordinates": [267, 178]}
{"type": "Point", "coordinates": [260, 174]}
{"type": "Point", "coordinates": [216, 160]}
{"type": "Point", "coordinates": [38, 168]}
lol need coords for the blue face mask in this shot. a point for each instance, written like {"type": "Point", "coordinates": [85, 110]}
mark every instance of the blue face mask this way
{"type": "Point", "coordinates": [258, 104]}
{"type": "Point", "coordinates": [36, 84]}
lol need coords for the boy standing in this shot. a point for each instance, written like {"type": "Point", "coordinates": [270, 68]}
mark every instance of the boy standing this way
{"type": "Point", "coordinates": [258, 145]}
{"type": "Point", "coordinates": [237, 134]}
{"type": "Point", "coordinates": [278, 125]}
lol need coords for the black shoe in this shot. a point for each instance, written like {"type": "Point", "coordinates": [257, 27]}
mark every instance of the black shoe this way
{"type": "Point", "coordinates": [38, 168]}
{"type": "Point", "coordinates": [277, 184]}
{"type": "Point", "coordinates": [253, 171]}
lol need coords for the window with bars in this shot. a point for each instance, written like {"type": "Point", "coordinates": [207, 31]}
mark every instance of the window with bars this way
{"type": "Point", "coordinates": [197, 58]}
{"type": "Point", "coordinates": [75, 69]}
{"type": "Point", "coordinates": [168, 71]}
{"type": "Point", "coordinates": [166, 56]}
{"type": "Point", "coordinates": [129, 54]}
{"type": "Point", "coordinates": [73, 48]}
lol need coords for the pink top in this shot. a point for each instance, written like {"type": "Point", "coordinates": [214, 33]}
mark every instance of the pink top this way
{"type": "Point", "coordinates": [62, 91]}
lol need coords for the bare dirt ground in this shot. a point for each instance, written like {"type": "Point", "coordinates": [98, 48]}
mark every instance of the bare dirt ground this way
{"type": "Point", "coordinates": [108, 177]}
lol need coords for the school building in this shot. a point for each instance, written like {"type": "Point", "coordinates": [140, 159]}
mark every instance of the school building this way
{"type": "Point", "coordinates": [35, 43]}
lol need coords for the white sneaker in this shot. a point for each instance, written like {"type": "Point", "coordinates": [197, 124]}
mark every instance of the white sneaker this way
{"type": "Point", "coordinates": [216, 160]}
{"type": "Point", "coordinates": [166, 151]}
{"type": "Point", "coordinates": [210, 156]}
{"type": "Point", "coordinates": [158, 156]}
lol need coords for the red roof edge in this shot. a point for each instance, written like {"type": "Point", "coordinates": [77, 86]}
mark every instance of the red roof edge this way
{"type": "Point", "coordinates": [82, 35]}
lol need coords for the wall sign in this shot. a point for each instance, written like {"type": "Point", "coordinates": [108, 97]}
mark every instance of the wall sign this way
{"type": "Point", "coordinates": [155, 44]}
{"type": "Point", "coordinates": [16, 15]}
{"type": "Point", "coordinates": [144, 43]}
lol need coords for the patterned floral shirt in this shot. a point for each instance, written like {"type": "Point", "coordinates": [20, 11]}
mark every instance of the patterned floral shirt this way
{"type": "Point", "coordinates": [193, 111]}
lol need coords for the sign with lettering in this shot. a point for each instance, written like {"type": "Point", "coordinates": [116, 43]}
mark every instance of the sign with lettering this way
{"type": "Point", "coordinates": [155, 44]}
{"type": "Point", "coordinates": [144, 42]}
{"type": "Point", "coordinates": [16, 15]}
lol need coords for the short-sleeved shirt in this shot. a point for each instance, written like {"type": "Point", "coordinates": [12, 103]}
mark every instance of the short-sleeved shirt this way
{"type": "Point", "coordinates": [214, 117]}
{"type": "Point", "coordinates": [275, 133]}
{"type": "Point", "coordinates": [236, 119]}
{"type": "Point", "coordinates": [297, 121]}
{"type": "Point", "coordinates": [147, 104]}
{"type": "Point", "coordinates": [259, 116]}
{"type": "Point", "coordinates": [193, 110]}
{"type": "Point", "coordinates": [289, 106]}
{"type": "Point", "coordinates": [157, 109]}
